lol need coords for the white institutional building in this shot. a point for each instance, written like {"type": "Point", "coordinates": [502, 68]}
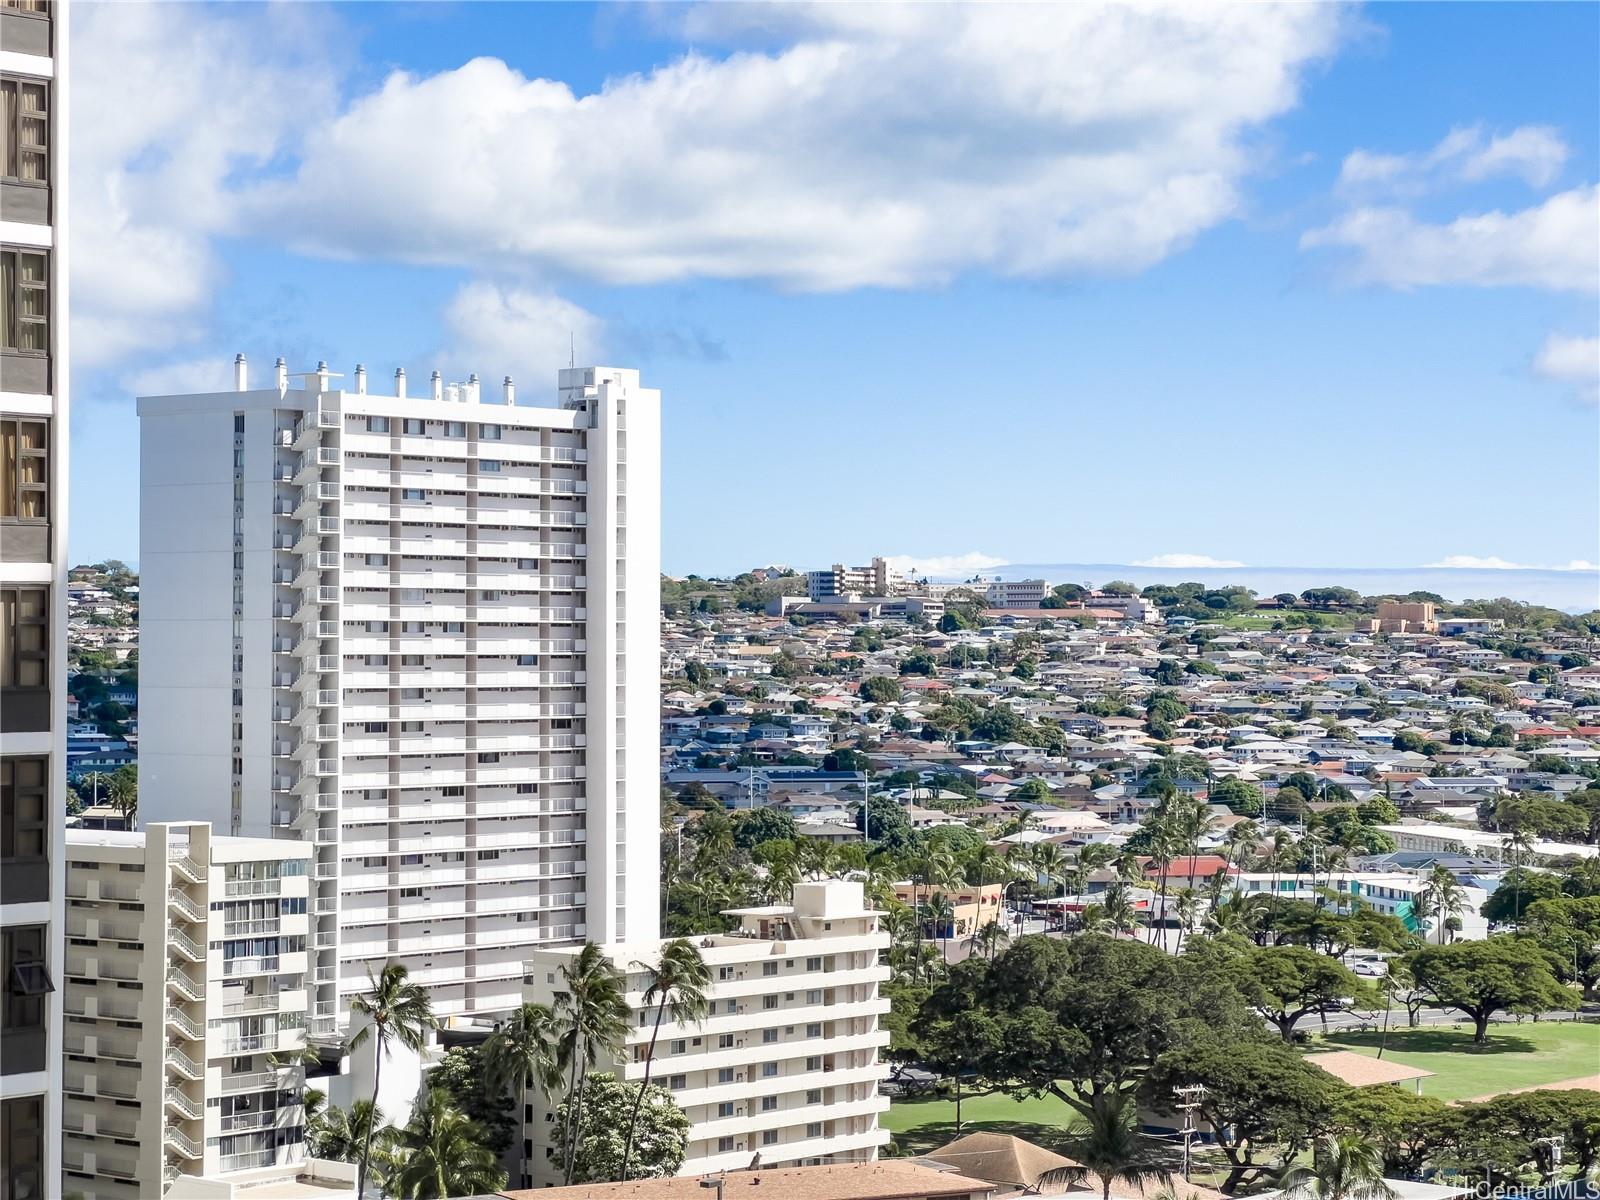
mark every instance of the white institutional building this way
{"type": "Point", "coordinates": [421, 634]}
{"type": "Point", "coordinates": [785, 1067]}
{"type": "Point", "coordinates": [33, 588]}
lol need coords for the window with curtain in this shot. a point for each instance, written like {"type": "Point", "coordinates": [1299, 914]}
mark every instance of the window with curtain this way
{"type": "Point", "coordinates": [24, 637]}
{"type": "Point", "coordinates": [24, 468]}
{"type": "Point", "coordinates": [25, 300]}
{"type": "Point", "coordinates": [25, 130]}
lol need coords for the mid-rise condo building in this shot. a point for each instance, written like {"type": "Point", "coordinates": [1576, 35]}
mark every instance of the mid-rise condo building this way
{"type": "Point", "coordinates": [185, 1009]}
{"type": "Point", "coordinates": [785, 1066]}
{"type": "Point", "coordinates": [33, 587]}
{"type": "Point", "coordinates": [421, 634]}
{"type": "Point", "coordinates": [879, 578]}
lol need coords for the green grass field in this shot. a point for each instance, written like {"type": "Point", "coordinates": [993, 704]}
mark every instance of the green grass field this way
{"type": "Point", "coordinates": [1516, 1056]}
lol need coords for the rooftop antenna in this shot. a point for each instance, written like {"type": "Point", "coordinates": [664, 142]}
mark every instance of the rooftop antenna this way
{"type": "Point", "coordinates": [572, 352]}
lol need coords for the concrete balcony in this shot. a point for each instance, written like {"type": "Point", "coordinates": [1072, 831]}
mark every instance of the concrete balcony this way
{"type": "Point", "coordinates": [181, 1103]}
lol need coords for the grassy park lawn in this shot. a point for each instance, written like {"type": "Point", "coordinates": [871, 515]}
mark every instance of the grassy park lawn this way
{"type": "Point", "coordinates": [1516, 1056]}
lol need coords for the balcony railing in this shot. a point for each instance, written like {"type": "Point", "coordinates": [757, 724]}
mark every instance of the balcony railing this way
{"type": "Point", "coordinates": [185, 984]}
{"type": "Point", "coordinates": [181, 1103]}
{"type": "Point", "coordinates": [181, 1142]}
{"type": "Point", "coordinates": [184, 905]}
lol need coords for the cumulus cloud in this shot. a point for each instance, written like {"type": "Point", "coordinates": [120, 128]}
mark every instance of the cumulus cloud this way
{"type": "Point", "coordinates": [497, 329]}
{"type": "Point", "coordinates": [1475, 562]}
{"type": "Point", "coordinates": [1184, 561]}
{"type": "Point", "coordinates": [156, 178]}
{"type": "Point", "coordinates": [1533, 153]}
{"type": "Point", "coordinates": [1574, 361]}
{"type": "Point", "coordinates": [873, 145]}
{"type": "Point", "coordinates": [1554, 245]}
{"type": "Point", "coordinates": [951, 565]}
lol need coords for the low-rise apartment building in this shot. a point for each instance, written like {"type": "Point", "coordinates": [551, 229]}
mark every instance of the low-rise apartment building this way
{"type": "Point", "coordinates": [1392, 893]}
{"type": "Point", "coordinates": [1015, 593]}
{"type": "Point", "coordinates": [786, 1063]}
{"type": "Point", "coordinates": [838, 581]}
{"type": "Point", "coordinates": [971, 906]}
{"type": "Point", "coordinates": [185, 1012]}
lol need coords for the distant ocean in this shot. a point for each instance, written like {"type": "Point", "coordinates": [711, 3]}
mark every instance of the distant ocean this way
{"type": "Point", "coordinates": [1571, 591]}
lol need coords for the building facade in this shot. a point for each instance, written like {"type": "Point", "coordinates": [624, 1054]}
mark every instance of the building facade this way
{"type": "Point", "coordinates": [785, 1066]}
{"type": "Point", "coordinates": [185, 999]}
{"type": "Point", "coordinates": [33, 588]}
{"type": "Point", "coordinates": [839, 581]}
{"type": "Point", "coordinates": [405, 629]}
{"type": "Point", "coordinates": [1015, 593]}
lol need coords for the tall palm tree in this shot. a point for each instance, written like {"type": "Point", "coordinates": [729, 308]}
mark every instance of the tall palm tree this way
{"type": "Point", "coordinates": [396, 1011]}
{"type": "Point", "coordinates": [1188, 905]}
{"type": "Point", "coordinates": [124, 793]}
{"type": "Point", "coordinates": [339, 1133]}
{"type": "Point", "coordinates": [1051, 862]}
{"type": "Point", "coordinates": [593, 1016]}
{"type": "Point", "coordinates": [440, 1155]}
{"type": "Point", "coordinates": [987, 936]}
{"type": "Point", "coordinates": [1241, 842]}
{"type": "Point", "coordinates": [677, 985]}
{"type": "Point", "coordinates": [1347, 1167]}
{"type": "Point", "coordinates": [1106, 1143]}
{"type": "Point", "coordinates": [521, 1055]}
{"type": "Point", "coordinates": [1119, 912]}
{"type": "Point", "coordinates": [1440, 897]}
{"type": "Point", "coordinates": [942, 914]}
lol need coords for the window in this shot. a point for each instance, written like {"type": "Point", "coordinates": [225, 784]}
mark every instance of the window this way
{"type": "Point", "coordinates": [769, 1137]}
{"type": "Point", "coordinates": [24, 648]}
{"type": "Point", "coordinates": [724, 1145]}
{"type": "Point", "coordinates": [377, 424]}
{"type": "Point", "coordinates": [814, 1029]}
{"type": "Point", "coordinates": [491, 465]}
{"type": "Point", "coordinates": [455, 429]}
{"type": "Point", "coordinates": [25, 300]}
{"type": "Point", "coordinates": [411, 893]}
{"type": "Point", "coordinates": [814, 996]}
{"type": "Point", "coordinates": [724, 1041]}
{"type": "Point", "coordinates": [527, 660]}
{"type": "Point", "coordinates": [814, 1063]}
{"type": "Point", "coordinates": [769, 1103]}
{"type": "Point", "coordinates": [814, 1096]}
{"type": "Point", "coordinates": [26, 979]}
{"type": "Point", "coordinates": [489, 756]}
{"type": "Point", "coordinates": [813, 964]}
{"type": "Point", "coordinates": [769, 969]}
{"type": "Point", "coordinates": [679, 1046]}
{"type": "Point", "coordinates": [725, 1109]}
{"type": "Point", "coordinates": [377, 560]}
{"type": "Point", "coordinates": [25, 447]}
{"type": "Point", "coordinates": [768, 1036]}
{"type": "Point", "coordinates": [489, 433]}
{"type": "Point", "coordinates": [677, 1083]}
{"type": "Point", "coordinates": [769, 1002]}
{"type": "Point", "coordinates": [413, 494]}
{"type": "Point", "coordinates": [414, 425]}
{"type": "Point", "coordinates": [24, 831]}
{"type": "Point", "coordinates": [724, 1075]}
{"type": "Point", "coordinates": [814, 1129]}
{"type": "Point", "coordinates": [724, 972]}
{"type": "Point", "coordinates": [25, 130]}
{"type": "Point", "coordinates": [527, 564]}
{"type": "Point", "coordinates": [22, 1147]}
{"type": "Point", "coordinates": [769, 1070]}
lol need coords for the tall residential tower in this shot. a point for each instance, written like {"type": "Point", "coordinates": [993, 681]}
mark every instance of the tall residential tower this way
{"type": "Point", "coordinates": [422, 633]}
{"type": "Point", "coordinates": [33, 588]}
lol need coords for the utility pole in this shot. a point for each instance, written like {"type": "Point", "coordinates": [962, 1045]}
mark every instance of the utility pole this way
{"type": "Point", "coordinates": [1188, 1102]}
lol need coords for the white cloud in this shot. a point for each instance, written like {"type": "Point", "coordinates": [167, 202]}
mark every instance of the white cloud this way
{"type": "Point", "coordinates": [1474, 562]}
{"type": "Point", "coordinates": [169, 103]}
{"type": "Point", "coordinates": [1533, 153]}
{"type": "Point", "coordinates": [1574, 361]}
{"type": "Point", "coordinates": [496, 330]}
{"type": "Point", "coordinates": [1184, 561]}
{"type": "Point", "coordinates": [942, 565]}
{"type": "Point", "coordinates": [183, 377]}
{"type": "Point", "coordinates": [874, 146]}
{"type": "Point", "coordinates": [1553, 245]}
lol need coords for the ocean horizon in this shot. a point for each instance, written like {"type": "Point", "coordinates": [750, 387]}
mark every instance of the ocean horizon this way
{"type": "Point", "coordinates": [1570, 591]}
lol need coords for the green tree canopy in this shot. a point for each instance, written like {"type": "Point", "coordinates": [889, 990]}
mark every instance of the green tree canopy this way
{"type": "Point", "coordinates": [1498, 974]}
{"type": "Point", "coordinates": [659, 1140]}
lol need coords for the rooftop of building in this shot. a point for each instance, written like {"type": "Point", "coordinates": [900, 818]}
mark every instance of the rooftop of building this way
{"type": "Point", "coordinates": [887, 1180]}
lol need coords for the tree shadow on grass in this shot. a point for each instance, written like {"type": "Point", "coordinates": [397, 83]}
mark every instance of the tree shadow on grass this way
{"type": "Point", "coordinates": [1433, 1040]}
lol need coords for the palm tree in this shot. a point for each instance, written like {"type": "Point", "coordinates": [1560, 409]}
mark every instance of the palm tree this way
{"type": "Point", "coordinates": [986, 937]}
{"type": "Point", "coordinates": [339, 1133]}
{"type": "Point", "coordinates": [125, 795]}
{"type": "Point", "coordinates": [677, 984]}
{"type": "Point", "coordinates": [1051, 862]}
{"type": "Point", "coordinates": [1516, 850]}
{"type": "Point", "coordinates": [933, 869]}
{"type": "Point", "coordinates": [396, 1010]}
{"type": "Point", "coordinates": [1188, 905]}
{"type": "Point", "coordinates": [942, 913]}
{"type": "Point", "coordinates": [440, 1155]}
{"type": "Point", "coordinates": [521, 1054]}
{"type": "Point", "coordinates": [1441, 896]}
{"type": "Point", "coordinates": [1346, 1167]}
{"type": "Point", "coordinates": [593, 1016]}
{"type": "Point", "coordinates": [1119, 912]}
{"type": "Point", "coordinates": [1106, 1143]}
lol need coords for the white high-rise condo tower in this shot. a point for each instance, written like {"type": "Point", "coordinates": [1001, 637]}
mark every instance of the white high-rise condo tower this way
{"type": "Point", "coordinates": [422, 633]}
{"type": "Point", "coordinates": [33, 589]}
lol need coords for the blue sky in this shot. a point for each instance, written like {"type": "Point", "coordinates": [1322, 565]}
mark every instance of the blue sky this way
{"type": "Point", "coordinates": [1261, 286]}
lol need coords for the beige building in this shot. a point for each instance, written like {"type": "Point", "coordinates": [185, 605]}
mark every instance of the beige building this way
{"type": "Point", "coordinates": [786, 1064]}
{"type": "Point", "coordinates": [1394, 616]}
{"type": "Point", "coordinates": [34, 363]}
{"type": "Point", "coordinates": [185, 999]}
